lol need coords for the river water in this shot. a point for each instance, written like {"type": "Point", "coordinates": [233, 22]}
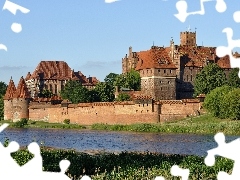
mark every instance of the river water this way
{"type": "Point", "coordinates": [108, 141]}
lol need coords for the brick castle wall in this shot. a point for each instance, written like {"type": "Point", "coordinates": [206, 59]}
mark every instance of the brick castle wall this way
{"type": "Point", "coordinates": [111, 113]}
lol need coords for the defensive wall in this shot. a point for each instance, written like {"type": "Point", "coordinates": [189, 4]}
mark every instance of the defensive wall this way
{"type": "Point", "coordinates": [114, 112]}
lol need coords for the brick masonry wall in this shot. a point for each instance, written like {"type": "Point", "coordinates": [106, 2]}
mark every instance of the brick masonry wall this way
{"type": "Point", "coordinates": [87, 114]}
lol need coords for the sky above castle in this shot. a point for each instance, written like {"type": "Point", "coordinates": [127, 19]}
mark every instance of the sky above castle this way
{"type": "Point", "coordinates": [93, 36]}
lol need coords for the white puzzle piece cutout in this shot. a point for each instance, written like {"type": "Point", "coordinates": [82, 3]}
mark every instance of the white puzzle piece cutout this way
{"type": "Point", "coordinates": [182, 6]}
{"type": "Point", "coordinates": [176, 171]}
{"type": "Point", "coordinates": [229, 150]}
{"type": "Point", "coordinates": [222, 51]}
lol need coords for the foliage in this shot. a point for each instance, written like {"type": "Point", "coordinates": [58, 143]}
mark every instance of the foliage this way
{"type": "Point", "coordinates": [75, 92]}
{"type": "Point", "coordinates": [1, 108]}
{"type": "Point", "coordinates": [210, 77]}
{"type": "Point", "coordinates": [21, 123]}
{"type": "Point", "coordinates": [231, 104]}
{"type": "Point", "coordinates": [46, 93]}
{"type": "Point", "coordinates": [3, 88]}
{"type": "Point", "coordinates": [131, 80]}
{"type": "Point", "coordinates": [204, 124]}
{"type": "Point", "coordinates": [94, 96]}
{"type": "Point", "coordinates": [123, 97]}
{"type": "Point", "coordinates": [105, 92]}
{"type": "Point", "coordinates": [66, 121]}
{"type": "Point", "coordinates": [233, 79]}
{"type": "Point", "coordinates": [111, 78]}
{"type": "Point", "coordinates": [125, 165]}
{"type": "Point", "coordinates": [214, 101]}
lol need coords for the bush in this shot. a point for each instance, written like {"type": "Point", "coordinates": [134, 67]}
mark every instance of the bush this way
{"type": "Point", "coordinates": [231, 104]}
{"type": "Point", "coordinates": [21, 123]}
{"type": "Point", "coordinates": [214, 101]}
{"type": "Point", "coordinates": [123, 97]}
{"type": "Point", "coordinates": [66, 121]}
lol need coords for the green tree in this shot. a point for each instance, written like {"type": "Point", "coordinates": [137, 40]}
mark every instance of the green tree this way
{"type": "Point", "coordinates": [234, 80]}
{"type": "Point", "coordinates": [46, 94]}
{"type": "Point", "coordinates": [111, 78]}
{"type": "Point", "coordinates": [231, 104]}
{"type": "Point", "coordinates": [210, 77]}
{"type": "Point", "coordinates": [105, 92]}
{"type": "Point", "coordinates": [3, 88]}
{"type": "Point", "coordinates": [94, 96]}
{"type": "Point", "coordinates": [75, 92]}
{"type": "Point", "coordinates": [123, 97]}
{"type": "Point", "coordinates": [1, 108]}
{"type": "Point", "coordinates": [131, 80]}
{"type": "Point", "coordinates": [214, 101]}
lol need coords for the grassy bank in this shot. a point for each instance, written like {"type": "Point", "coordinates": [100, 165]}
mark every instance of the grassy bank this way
{"type": "Point", "coordinates": [129, 166]}
{"type": "Point", "coordinates": [204, 124]}
{"type": "Point", "coordinates": [41, 124]}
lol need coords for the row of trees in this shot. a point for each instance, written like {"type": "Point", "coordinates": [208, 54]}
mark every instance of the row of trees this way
{"type": "Point", "coordinates": [224, 102]}
{"type": "Point", "coordinates": [3, 88]}
{"type": "Point", "coordinates": [104, 91]}
{"type": "Point", "coordinates": [212, 76]}
{"type": "Point", "coordinates": [222, 94]}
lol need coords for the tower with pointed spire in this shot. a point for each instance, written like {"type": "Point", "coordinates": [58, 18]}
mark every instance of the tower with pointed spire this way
{"type": "Point", "coordinates": [16, 101]}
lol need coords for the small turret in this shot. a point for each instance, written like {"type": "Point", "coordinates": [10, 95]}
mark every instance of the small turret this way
{"type": "Point", "coordinates": [8, 104]}
{"type": "Point", "coordinates": [21, 99]}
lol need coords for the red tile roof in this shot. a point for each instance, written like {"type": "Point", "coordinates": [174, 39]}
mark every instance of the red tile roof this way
{"type": "Point", "coordinates": [22, 90]}
{"type": "Point", "coordinates": [199, 55]}
{"type": "Point", "coordinates": [59, 70]}
{"type": "Point", "coordinates": [11, 89]}
{"type": "Point", "coordinates": [156, 57]}
{"type": "Point", "coordinates": [52, 70]}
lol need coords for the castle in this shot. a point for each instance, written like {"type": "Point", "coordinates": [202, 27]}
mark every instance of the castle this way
{"type": "Point", "coordinates": [18, 104]}
{"type": "Point", "coordinates": [53, 76]}
{"type": "Point", "coordinates": [169, 72]}
{"type": "Point", "coordinates": [167, 76]}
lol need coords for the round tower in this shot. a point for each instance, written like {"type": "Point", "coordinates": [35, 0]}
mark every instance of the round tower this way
{"type": "Point", "coordinates": [8, 103]}
{"type": "Point", "coordinates": [20, 102]}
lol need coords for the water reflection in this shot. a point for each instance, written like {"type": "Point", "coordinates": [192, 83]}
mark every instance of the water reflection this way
{"type": "Point", "coordinates": [108, 141]}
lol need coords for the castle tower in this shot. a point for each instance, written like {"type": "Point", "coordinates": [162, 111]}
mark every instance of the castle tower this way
{"type": "Point", "coordinates": [188, 38]}
{"type": "Point", "coordinates": [129, 62]}
{"type": "Point", "coordinates": [20, 101]}
{"type": "Point", "coordinates": [8, 105]}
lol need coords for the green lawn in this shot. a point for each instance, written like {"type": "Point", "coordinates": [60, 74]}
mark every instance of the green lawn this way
{"type": "Point", "coordinates": [204, 124]}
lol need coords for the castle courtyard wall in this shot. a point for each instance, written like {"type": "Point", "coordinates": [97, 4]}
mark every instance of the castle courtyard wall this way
{"type": "Point", "coordinates": [110, 113]}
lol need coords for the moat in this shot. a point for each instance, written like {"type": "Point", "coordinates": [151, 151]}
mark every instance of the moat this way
{"type": "Point", "coordinates": [107, 141]}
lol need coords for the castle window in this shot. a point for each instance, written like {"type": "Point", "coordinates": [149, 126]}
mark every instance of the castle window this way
{"type": "Point", "coordinates": [164, 71]}
{"type": "Point", "coordinates": [160, 81]}
{"type": "Point", "coordinates": [55, 89]}
{"type": "Point", "coordinates": [159, 70]}
{"type": "Point", "coordinates": [51, 88]}
{"type": "Point", "coordinates": [191, 77]}
{"type": "Point", "coordinates": [170, 71]}
{"type": "Point", "coordinates": [187, 77]}
{"type": "Point", "coordinates": [169, 82]}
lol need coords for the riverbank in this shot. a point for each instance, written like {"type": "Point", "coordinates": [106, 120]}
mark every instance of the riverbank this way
{"type": "Point", "coordinates": [204, 124]}
{"type": "Point", "coordinates": [126, 165]}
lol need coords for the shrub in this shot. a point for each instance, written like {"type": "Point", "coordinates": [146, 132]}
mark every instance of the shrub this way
{"type": "Point", "coordinates": [123, 97]}
{"type": "Point", "coordinates": [66, 121]}
{"type": "Point", "coordinates": [21, 123]}
{"type": "Point", "coordinates": [214, 101]}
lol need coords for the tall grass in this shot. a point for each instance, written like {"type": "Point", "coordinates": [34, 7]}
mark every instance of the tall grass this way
{"type": "Point", "coordinates": [205, 124]}
{"type": "Point", "coordinates": [129, 166]}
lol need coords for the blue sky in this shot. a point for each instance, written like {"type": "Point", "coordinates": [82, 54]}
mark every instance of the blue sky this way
{"type": "Point", "coordinates": [93, 36]}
